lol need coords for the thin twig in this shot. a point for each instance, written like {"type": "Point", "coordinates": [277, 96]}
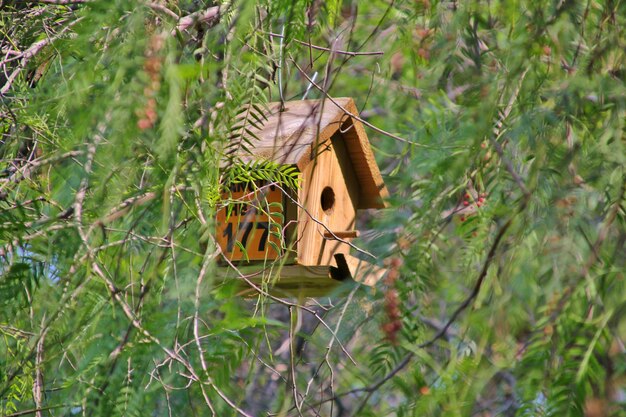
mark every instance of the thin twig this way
{"type": "Point", "coordinates": [196, 316]}
{"type": "Point", "coordinates": [38, 387]}
{"type": "Point", "coordinates": [59, 2]}
{"type": "Point", "coordinates": [443, 331]}
{"type": "Point", "coordinates": [357, 117]}
{"type": "Point", "coordinates": [128, 312]}
{"type": "Point", "coordinates": [35, 410]}
{"type": "Point", "coordinates": [334, 51]}
{"type": "Point", "coordinates": [33, 50]}
{"type": "Point", "coordinates": [498, 132]}
{"type": "Point", "coordinates": [284, 302]}
{"type": "Point", "coordinates": [333, 235]}
{"type": "Point", "coordinates": [82, 189]}
{"type": "Point", "coordinates": [28, 169]}
{"type": "Point", "coordinates": [161, 8]}
{"type": "Point", "coordinates": [209, 16]}
{"type": "Point", "coordinates": [293, 320]}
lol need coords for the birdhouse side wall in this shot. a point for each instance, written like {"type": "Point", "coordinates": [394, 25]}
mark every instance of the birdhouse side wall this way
{"type": "Point", "coordinates": [329, 193]}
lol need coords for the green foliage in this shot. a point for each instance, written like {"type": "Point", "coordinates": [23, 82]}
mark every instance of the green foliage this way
{"type": "Point", "coordinates": [123, 124]}
{"type": "Point", "coordinates": [257, 171]}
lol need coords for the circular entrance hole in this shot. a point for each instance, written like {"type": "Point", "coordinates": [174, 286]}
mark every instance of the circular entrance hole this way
{"type": "Point", "coordinates": [328, 199]}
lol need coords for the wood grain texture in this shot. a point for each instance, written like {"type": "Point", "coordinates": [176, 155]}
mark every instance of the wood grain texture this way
{"type": "Point", "coordinates": [364, 272]}
{"type": "Point", "coordinates": [341, 234]}
{"type": "Point", "coordinates": [328, 170]}
{"type": "Point", "coordinates": [303, 281]}
{"type": "Point", "coordinates": [293, 280]}
{"type": "Point", "coordinates": [297, 135]}
{"type": "Point", "coordinates": [373, 190]}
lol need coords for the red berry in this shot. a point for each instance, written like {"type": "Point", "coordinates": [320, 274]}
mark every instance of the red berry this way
{"type": "Point", "coordinates": [467, 196]}
{"type": "Point", "coordinates": [144, 124]}
{"type": "Point", "coordinates": [466, 203]}
{"type": "Point", "coordinates": [479, 204]}
{"type": "Point", "coordinates": [462, 218]}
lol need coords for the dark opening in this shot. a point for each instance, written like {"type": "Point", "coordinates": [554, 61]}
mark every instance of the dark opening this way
{"type": "Point", "coordinates": [341, 271]}
{"type": "Point", "coordinates": [328, 199]}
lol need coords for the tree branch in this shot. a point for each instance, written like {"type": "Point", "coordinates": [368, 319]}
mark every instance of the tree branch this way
{"type": "Point", "coordinates": [443, 330]}
{"type": "Point", "coordinates": [60, 2]}
{"type": "Point", "coordinates": [499, 130]}
{"type": "Point", "coordinates": [321, 48]}
{"type": "Point", "coordinates": [357, 117]}
{"type": "Point", "coordinates": [209, 16]}
{"type": "Point", "coordinates": [33, 50]}
{"type": "Point", "coordinates": [38, 388]}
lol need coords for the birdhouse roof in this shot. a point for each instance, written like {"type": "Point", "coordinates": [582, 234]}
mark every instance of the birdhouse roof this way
{"type": "Point", "coordinates": [294, 136]}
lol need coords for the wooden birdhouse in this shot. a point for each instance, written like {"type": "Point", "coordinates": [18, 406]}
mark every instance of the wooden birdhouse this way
{"type": "Point", "coordinates": [303, 235]}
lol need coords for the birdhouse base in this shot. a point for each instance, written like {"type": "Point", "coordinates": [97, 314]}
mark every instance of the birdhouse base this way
{"type": "Point", "coordinates": [303, 280]}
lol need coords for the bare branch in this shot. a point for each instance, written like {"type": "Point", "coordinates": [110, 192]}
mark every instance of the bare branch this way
{"type": "Point", "coordinates": [499, 130]}
{"type": "Point", "coordinates": [35, 410]}
{"type": "Point", "coordinates": [160, 8]}
{"type": "Point", "coordinates": [38, 388]}
{"type": "Point", "coordinates": [60, 2]}
{"type": "Point", "coordinates": [334, 51]}
{"type": "Point", "coordinates": [172, 354]}
{"type": "Point", "coordinates": [443, 330]}
{"type": "Point", "coordinates": [282, 301]}
{"type": "Point", "coordinates": [33, 50]}
{"type": "Point", "coordinates": [26, 170]}
{"type": "Point", "coordinates": [209, 16]}
{"type": "Point", "coordinates": [357, 117]}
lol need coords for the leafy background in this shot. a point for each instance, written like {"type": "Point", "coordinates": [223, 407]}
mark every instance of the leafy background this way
{"type": "Point", "coordinates": [117, 117]}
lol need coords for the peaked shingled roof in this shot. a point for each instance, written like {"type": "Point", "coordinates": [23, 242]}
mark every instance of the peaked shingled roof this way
{"type": "Point", "coordinates": [292, 136]}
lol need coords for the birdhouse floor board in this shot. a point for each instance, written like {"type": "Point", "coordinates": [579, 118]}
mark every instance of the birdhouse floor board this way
{"type": "Point", "coordinates": [310, 281]}
{"type": "Point", "coordinates": [302, 280]}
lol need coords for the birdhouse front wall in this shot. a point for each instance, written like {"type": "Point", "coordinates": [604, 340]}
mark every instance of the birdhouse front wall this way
{"type": "Point", "coordinates": [329, 197]}
{"type": "Point", "coordinates": [249, 228]}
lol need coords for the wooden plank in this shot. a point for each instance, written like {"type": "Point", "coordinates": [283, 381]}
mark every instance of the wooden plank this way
{"type": "Point", "coordinates": [289, 137]}
{"type": "Point", "coordinates": [364, 272]}
{"type": "Point", "coordinates": [293, 280]}
{"type": "Point", "coordinates": [325, 173]}
{"type": "Point", "coordinates": [341, 234]}
{"type": "Point", "coordinates": [301, 280]}
{"type": "Point", "coordinates": [291, 227]}
{"type": "Point", "coordinates": [373, 190]}
{"type": "Point", "coordinates": [251, 222]}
